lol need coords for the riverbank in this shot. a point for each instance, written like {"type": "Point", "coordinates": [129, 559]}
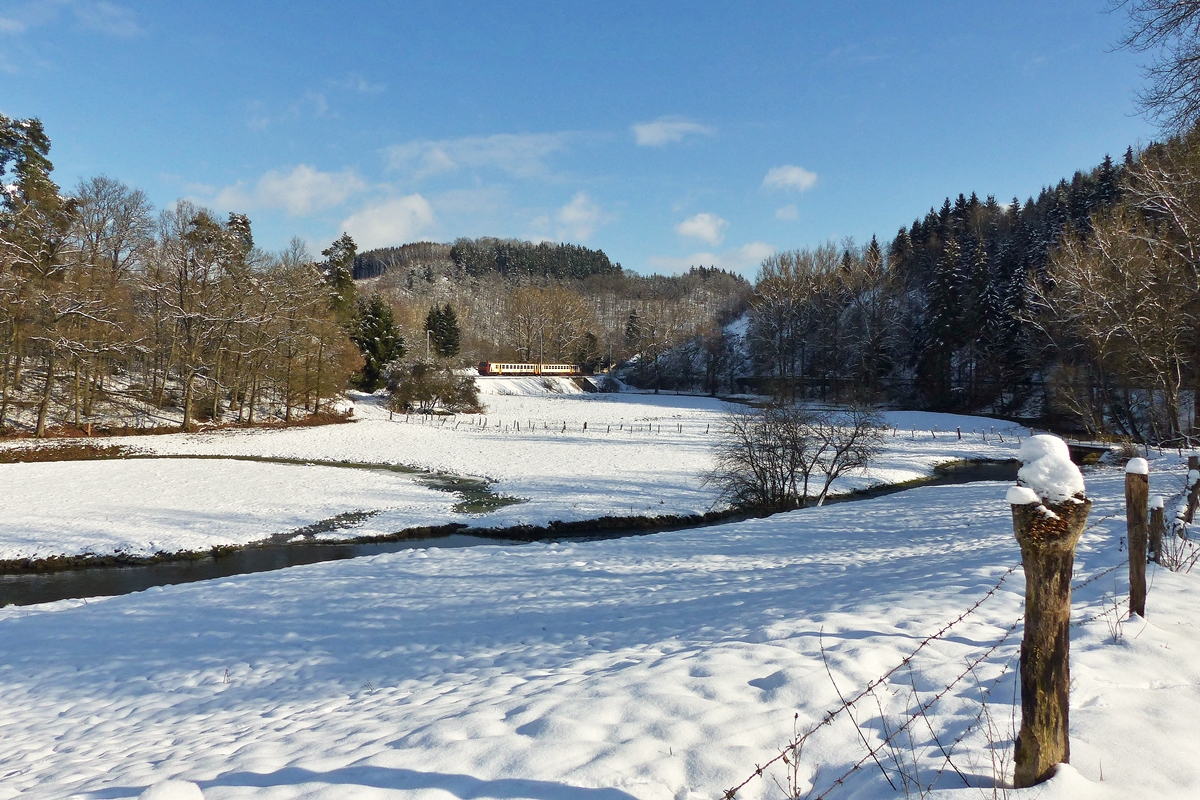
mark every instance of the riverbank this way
{"type": "Point", "coordinates": [957, 472]}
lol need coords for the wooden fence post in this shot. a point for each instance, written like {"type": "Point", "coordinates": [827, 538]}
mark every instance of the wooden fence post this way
{"type": "Point", "coordinates": [1137, 490]}
{"type": "Point", "coordinates": [1158, 528]}
{"type": "Point", "coordinates": [1048, 554]}
{"type": "Point", "coordinates": [1193, 488]}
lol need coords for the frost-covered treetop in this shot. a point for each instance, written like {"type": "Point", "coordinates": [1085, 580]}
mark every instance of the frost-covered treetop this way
{"type": "Point", "coordinates": [1137, 466]}
{"type": "Point", "coordinates": [1048, 472]}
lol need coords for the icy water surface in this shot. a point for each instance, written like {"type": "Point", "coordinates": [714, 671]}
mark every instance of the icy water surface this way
{"type": "Point", "coordinates": [297, 548]}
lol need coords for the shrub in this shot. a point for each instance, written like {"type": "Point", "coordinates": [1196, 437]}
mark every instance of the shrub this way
{"type": "Point", "coordinates": [425, 388]}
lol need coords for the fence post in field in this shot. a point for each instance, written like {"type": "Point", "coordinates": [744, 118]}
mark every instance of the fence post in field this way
{"type": "Point", "coordinates": [1158, 527]}
{"type": "Point", "coordinates": [1137, 491]}
{"type": "Point", "coordinates": [1048, 520]}
{"type": "Point", "coordinates": [1193, 480]}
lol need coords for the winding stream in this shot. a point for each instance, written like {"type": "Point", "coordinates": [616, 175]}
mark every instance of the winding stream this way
{"type": "Point", "coordinates": [285, 551]}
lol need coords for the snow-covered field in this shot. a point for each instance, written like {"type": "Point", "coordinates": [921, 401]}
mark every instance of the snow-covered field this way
{"type": "Point", "coordinates": [661, 667]}
{"type": "Point", "coordinates": [641, 454]}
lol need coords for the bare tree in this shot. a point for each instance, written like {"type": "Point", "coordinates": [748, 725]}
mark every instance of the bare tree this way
{"type": "Point", "coordinates": [1171, 30]}
{"type": "Point", "coordinates": [775, 459]}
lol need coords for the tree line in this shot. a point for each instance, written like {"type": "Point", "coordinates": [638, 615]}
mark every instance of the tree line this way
{"type": "Point", "coordinates": [1079, 307]}
{"type": "Point", "coordinates": [114, 314]}
{"type": "Point", "coordinates": [556, 315]}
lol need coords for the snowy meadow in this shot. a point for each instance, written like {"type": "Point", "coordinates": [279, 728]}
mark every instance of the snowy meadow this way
{"type": "Point", "coordinates": [640, 454]}
{"type": "Point", "coordinates": [657, 667]}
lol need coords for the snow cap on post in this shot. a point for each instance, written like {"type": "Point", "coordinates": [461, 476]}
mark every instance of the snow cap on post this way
{"type": "Point", "coordinates": [1137, 466]}
{"type": "Point", "coordinates": [1156, 502]}
{"type": "Point", "coordinates": [1048, 471]}
{"type": "Point", "coordinates": [1021, 496]}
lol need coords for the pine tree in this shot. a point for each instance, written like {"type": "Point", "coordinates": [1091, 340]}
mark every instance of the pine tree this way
{"type": "Point", "coordinates": [444, 333]}
{"type": "Point", "coordinates": [338, 271]}
{"type": "Point", "coordinates": [633, 330]}
{"type": "Point", "coordinates": [378, 339]}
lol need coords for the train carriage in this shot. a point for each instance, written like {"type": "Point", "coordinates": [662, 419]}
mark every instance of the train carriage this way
{"type": "Point", "coordinates": [515, 368]}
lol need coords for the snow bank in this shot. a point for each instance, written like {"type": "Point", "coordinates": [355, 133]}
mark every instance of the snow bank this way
{"type": "Point", "coordinates": [1047, 469]}
{"type": "Point", "coordinates": [532, 386]}
{"type": "Point", "coordinates": [172, 790]}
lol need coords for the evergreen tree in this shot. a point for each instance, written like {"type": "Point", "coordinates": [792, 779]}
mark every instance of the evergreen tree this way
{"type": "Point", "coordinates": [338, 272]}
{"type": "Point", "coordinates": [444, 333]}
{"type": "Point", "coordinates": [374, 331]}
{"type": "Point", "coordinates": [633, 330]}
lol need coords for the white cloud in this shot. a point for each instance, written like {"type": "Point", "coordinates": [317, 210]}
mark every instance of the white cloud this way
{"type": "Point", "coordinates": [107, 18]}
{"type": "Point", "coordinates": [705, 227]}
{"type": "Point", "coordinates": [300, 192]}
{"type": "Point", "coordinates": [579, 219]}
{"type": "Point", "coordinates": [745, 259]}
{"type": "Point", "coordinates": [91, 15]}
{"type": "Point", "coordinates": [357, 83]}
{"type": "Point", "coordinates": [390, 222]}
{"type": "Point", "coordinates": [790, 211]}
{"type": "Point", "coordinates": [522, 155]}
{"type": "Point", "coordinates": [790, 177]}
{"type": "Point", "coordinates": [666, 130]}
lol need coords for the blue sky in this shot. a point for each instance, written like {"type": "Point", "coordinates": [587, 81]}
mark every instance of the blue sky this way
{"type": "Point", "coordinates": [667, 134]}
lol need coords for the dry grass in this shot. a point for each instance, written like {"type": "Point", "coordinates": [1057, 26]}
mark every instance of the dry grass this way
{"type": "Point", "coordinates": [66, 451]}
{"type": "Point", "coordinates": [73, 432]}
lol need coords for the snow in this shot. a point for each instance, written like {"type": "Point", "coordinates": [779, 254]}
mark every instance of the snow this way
{"type": "Point", "coordinates": [146, 506]}
{"type": "Point", "coordinates": [739, 327]}
{"type": "Point", "coordinates": [1156, 502]}
{"type": "Point", "coordinates": [528, 386]}
{"type": "Point", "coordinates": [1021, 496]}
{"type": "Point", "coordinates": [641, 455]}
{"type": "Point", "coordinates": [658, 667]}
{"type": "Point", "coordinates": [172, 790]}
{"type": "Point", "coordinates": [1047, 469]}
{"type": "Point", "coordinates": [1137, 466]}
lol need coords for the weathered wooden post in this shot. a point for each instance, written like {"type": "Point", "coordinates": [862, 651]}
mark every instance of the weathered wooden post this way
{"type": "Point", "coordinates": [1049, 509]}
{"type": "Point", "coordinates": [1158, 528]}
{"type": "Point", "coordinates": [1137, 490]}
{"type": "Point", "coordinates": [1193, 481]}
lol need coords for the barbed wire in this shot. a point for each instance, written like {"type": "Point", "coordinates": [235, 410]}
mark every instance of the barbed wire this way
{"type": "Point", "coordinates": [872, 753]}
{"type": "Point", "coordinates": [874, 684]}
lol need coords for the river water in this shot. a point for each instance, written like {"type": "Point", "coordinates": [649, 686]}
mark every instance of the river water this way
{"type": "Point", "coordinates": [31, 588]}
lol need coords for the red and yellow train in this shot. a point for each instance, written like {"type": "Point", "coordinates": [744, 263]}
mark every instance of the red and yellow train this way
{"type": "Point", "coordinates": [513, 368]}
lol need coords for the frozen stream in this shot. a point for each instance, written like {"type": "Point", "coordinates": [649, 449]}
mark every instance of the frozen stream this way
{"type": "Point", "coordinates": [31, 588]}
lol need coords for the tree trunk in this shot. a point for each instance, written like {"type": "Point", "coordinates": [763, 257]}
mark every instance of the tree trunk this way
{"type": "Point", "coordinates": [4, 392]}
{"type": "Point", "coordinates": [216, 406]}
{"type": "Point", "coordinates": [1048, 554]}
{"type": "Point", "coordinates": [44, 406]}
{"type": "Point", "coordinates": [187, 400]}
{"type": "Point", "coordinates": [1193, 490]}
{"type": "Point", "coordinates": [75, 392]}
{"type": "Point", "coordinates": [320, 358]}
{"type": "Point", "coordinates": [1137, 488]}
